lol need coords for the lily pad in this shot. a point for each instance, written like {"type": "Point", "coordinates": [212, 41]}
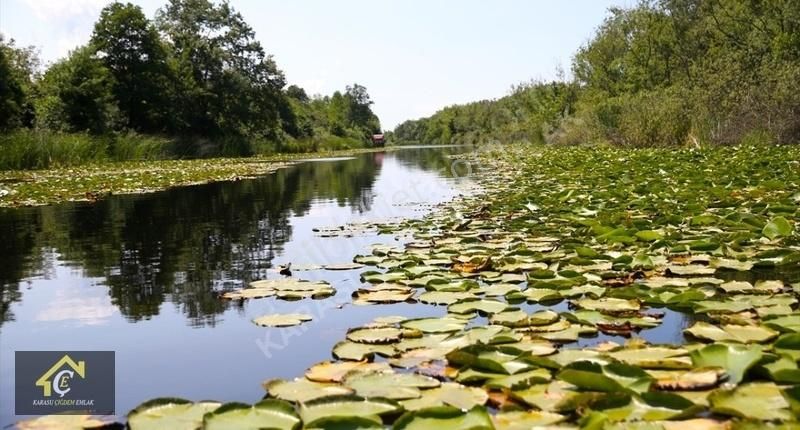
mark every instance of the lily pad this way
{"type": "Point", "coordinates": [777, 227]}
{"type": "Point", "coordinates": [282, 320]}
{"type": "Point", "coordinates": [169, 413]}
{"type": "Point", "coordinates": [760, 401]}
{"type": "Point", "coordinates": [735, 359]}
{"type": "Point", "coordinates": [345, 406]}
{"type": "Point", "coordinates": [302, 390]}
{"type": "Point", "coordinates": [731, 333]}
{"type": "Point", "coordinates": [450, 394]}
{"type": "Point", "coordinates": [390, 385]}
{"type": "Point", "coordinates": [519, 420]}
{"type": "Point", "coordinates": [328, 371]}
{"type": "Point", "coordinates": [374, 335]}
{"type": "Point", "coordinates": [347, 350]}
{"type": "Point", "coordinates": [279, 414]}
{"type": "Point", "coordinates": [435, 325]}
{"type": "Point", "coordinates": [445, 418]}
{"type": "Point", "coordinates": [606, 378]}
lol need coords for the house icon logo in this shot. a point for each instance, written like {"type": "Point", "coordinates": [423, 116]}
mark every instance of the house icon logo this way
{"type": "Point", "coordinates": [59, 376]}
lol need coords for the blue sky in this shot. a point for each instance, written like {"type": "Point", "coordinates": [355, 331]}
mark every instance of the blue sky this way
{"type": "Point", "coordinates": [414, 56]}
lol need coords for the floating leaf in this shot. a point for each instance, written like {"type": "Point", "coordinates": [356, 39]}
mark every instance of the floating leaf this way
{"type": "Point", "coordinates": [345, 406]}
{"type": "Point", "coordinates": [279, 414]}
{"type": "Point", "coordinates": [335, 371]}
{"type": "Point", "coordinates": [607, 378]}
{"type": "Point", "coordinates": [374, 335]}
{"type": "Point", "coordinates": [731, 332]}
{"type": "Point", "coordinates": [448, 393]}
{"type": "Point", "coordinates": [282, 320]}
{"type": "Point", "coordinates": [396, 386]}
{"type": "Point", "coordinates": [435, 325]}
{"type": "Point", "coordinates": [527, 420]}
{"type": "Point", "coordinates": [760, 401]}
{"type": "Point", "coordinates": [445, 418]}
{"type": "Point", "coordinates": [777, 227]}
{"type": "Point", "coordinates": [735, 359]}
{"type": "Point", "coordinates": [302, 390]}
{"type": "Point", "coordinates": [171, 413]}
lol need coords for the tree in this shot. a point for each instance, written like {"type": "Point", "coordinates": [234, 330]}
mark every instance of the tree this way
{"type": "Point", "coordinates": [77, 95]}
{"type": "Point", "coordinates": [131, 49]}
{"type": "Point", "coordinates": [17, 72]}
{"type": "Point", "coordinates": [359, 113]}
{"type": "Point", "coordinates": [228, 85]}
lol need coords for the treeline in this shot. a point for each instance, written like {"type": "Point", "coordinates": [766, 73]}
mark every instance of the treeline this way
{"type": "Point", "coordinates": [666, 72]}
{"type": "Point", "coordinates": [192, 82]}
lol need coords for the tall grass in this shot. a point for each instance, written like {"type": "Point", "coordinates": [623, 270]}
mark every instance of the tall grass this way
{"type": "Point", "coordinates": [37, 149]}
{"type": "Point", "coordinates": [41, 149]}
{"type": "Point", "coordinates": [31, 149]}
{"type": "Point", "coordinates": [134, 146]}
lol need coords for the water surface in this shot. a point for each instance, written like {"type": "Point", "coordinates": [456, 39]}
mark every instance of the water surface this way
{"type": "Point", "coordinates": [141, 274]}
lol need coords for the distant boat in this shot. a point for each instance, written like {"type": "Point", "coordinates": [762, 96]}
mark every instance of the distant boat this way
{"type": "Point", "coordinates": [378, 140]}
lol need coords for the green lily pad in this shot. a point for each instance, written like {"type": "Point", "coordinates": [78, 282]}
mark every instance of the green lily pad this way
{"type": "Point", "coordinates": [654, 357]}
{"type": "Point", "coordinates": [525, 420]}
{"type": "Point", "coordinates": [390, 385]}
{"type": "Point", "coordinates": [606, 378]}
{"type": "Point", "coordinates": [645, 407]}
{"type": "Point", "coordinates": [445, 418]}
{"type": "Point", "coordinates": [472, 305]}
{"type": "Point", "coordinates": [731, 333]}
{"type": "Point", "coordinates": [443, 297]}
{"type": "Point", "coordinates": [778, 227]}
{"type": "Point", "coordinates": [760, 401]}
{"type": "Point", "coordinates": [347, 350]}
{"type": "Point", "coordinates": [608, 304]}
{"type": "Point", "coordinates": [279, 414]}
{"type": "Point", "coordinates": [450, 394]}
{"type": "Point", "coordinates": [328, 371]}
{"type": "Point", "coordinates": [435, 325]}
{"type": "Point", "coordinates": [735, 359]}
{"type": "Point", "coordinates": [374, 335]}
{"type": "Point", "coordinates": [302, 390]}
{"type": "Point", "coordinates": [167, 413]}
{"type": "Point", "coordinates": [282, 320]}
{"type": "Point", "coordinates": [346, 406]}
{"type": "Point", "coordinates": [286, 288]}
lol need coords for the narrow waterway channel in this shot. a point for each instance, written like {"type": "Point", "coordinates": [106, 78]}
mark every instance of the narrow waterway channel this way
{"type": "Point", "coordinates": [141, 274]}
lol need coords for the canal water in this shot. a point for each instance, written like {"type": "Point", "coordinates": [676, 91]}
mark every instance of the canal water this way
{"type": "Point", "coordinates": [141, 275]}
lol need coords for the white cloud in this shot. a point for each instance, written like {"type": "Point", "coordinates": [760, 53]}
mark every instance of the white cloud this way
{"type": "Point", "coordinates": [65, 10]}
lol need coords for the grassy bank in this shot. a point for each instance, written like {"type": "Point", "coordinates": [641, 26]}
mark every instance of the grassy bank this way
{"type": "Point", "coordinates": [40, 149]}
{"type": "Point", "coordinates": [92, 177]}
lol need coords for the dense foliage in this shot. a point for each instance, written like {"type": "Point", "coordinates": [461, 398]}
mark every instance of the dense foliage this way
{"type": "Point", "coordinates": [664, 72]}
{"type": "Point", "coordinates": [195, 75]}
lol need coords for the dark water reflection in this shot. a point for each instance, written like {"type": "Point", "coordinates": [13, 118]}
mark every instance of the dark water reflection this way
{"type": "Point", "coordinates": [140, 274]}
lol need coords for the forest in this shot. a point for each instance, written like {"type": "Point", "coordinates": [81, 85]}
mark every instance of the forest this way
{"type": "Point", "coordinates": [192, 82]}
{"type": "Point", "coordinates": [662, 73]}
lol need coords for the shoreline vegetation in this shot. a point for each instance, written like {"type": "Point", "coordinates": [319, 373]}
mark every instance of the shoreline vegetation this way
{"type": "Point", "coordinates": [171, 87]}
{"type": "Point", "coordinates": [628, 239]}
{"type": "Point", "coordinates": [96, 180]}
{"type": "Point", "coordinates": [663, 73]}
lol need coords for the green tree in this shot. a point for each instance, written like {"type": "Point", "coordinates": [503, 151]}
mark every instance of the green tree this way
{"type": "Point", "coordinates": [77, 95]}
{"type": "Point", "coordinates": [17, 72]}
{"type": "Point", "coordinates": [228, 85]}
{"type": "Point", "coordinates": [131, 49]}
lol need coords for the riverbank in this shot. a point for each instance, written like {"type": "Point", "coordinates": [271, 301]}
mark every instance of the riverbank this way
{"type": "Point", "coordinates": [93, 181]}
